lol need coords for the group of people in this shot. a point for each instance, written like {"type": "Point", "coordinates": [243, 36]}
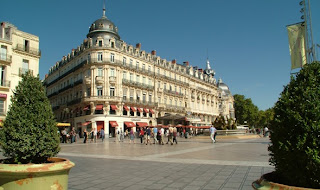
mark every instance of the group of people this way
{"type": "Point", "coordinates": [93, 135]}
{"type": "Point", "coordinates": [146, 134]}
{"type": "Point", "coordinates": [150, 135]}
{"type": "Point", "coordinates": [65, 136]}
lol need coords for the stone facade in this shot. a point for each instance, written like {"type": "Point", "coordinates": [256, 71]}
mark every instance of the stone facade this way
{"type": "Point", "coordinates": [106, 82]}
{"type": "Point", "coordinates": [19, 53]}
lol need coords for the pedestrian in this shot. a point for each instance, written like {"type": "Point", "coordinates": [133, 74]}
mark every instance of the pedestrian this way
{"type": "Point", "coordinates": [126, 134]}
{"type": "Point", "coordinates": [85, 135]}
{"type": "Point", "coordinates": [170, 139]}
{"type": "Point", "coordinates": [102, 134]}
{"type": "Point", "coordinates": [121, 136]}
{"type": "Point", "coordinates": [141, 135]}
{"type": "Point", "coordinates": [155, 132]}
{"type": "Point", "coordinates": [131, 135]}
{"type": "Point", "coordinates": [118, 135]}
{"type": "Point", "coordinates": [213, 133]}
{"type": "Point", "coordinates": [148, 134]}
{"type": "Point", "coordinates": [64, 135]}
{"type": "Point", "coordinates": [91, 135]}
{"type": "Point", "coordinates": [72, 135]}
{"type": "Point", "coordinates": [266, 131]}
{"type": "Point", "coordinates": [95, 133]}
{"type": "Point", "coordinates": [162, 136]}
{"type": "Point", "coordinates": [175, 135]}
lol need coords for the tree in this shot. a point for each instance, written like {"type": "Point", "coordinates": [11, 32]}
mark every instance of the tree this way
{"type": "Point", "coordinates": [295, 148]}
{"type": "Point", "coordinates": [220, 123]}
{"type": "Point", "coordinates": [245, 110]}
{"type": "Point", "coordinates": [29, 134]}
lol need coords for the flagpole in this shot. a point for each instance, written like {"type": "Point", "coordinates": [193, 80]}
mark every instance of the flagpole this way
{"type": "Point", "coordinates": [311, 34]}
{"type": "Point", "coordinates": [306, 40]}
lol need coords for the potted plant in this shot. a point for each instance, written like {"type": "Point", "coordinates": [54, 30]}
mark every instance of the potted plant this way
{"type": "Point", "coordinates": [29, 140]}
{"type": "Point", "coordinates": [295, 134]}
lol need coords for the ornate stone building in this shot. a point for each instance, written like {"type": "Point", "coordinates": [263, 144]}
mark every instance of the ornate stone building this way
{"type": "Point", "coordinates": [19, 53]}
{"type": "Point", "coordinates": [107, 83]}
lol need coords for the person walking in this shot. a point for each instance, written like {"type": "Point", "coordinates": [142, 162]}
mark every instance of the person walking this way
{"type": "Point", "coordinates": [64, 135]}
{"type": "Point", "coordinates": [141, 135]}
{"type": "Point", "coordinates": [148, 133]}
{"type": "Point", "coordinates": [95, 132]}
{"type": "Point", "coordinates": [162, 136]}
{"type": "Point", "coordinates": [170, 135]}
{"type": "Point", "coordinates": [175, 135]}
{"type": "Point", "coordinates": [155, 132]}
{"type": "Point", "coordinates": [91, 135]}
{"type": "Point", "coordinates": [131, 135]}
{"type": "Point", "coordinates": [213, 133]}
{"type": "Point", "coordinates": [118, 135]}
{"type": "Point", "coordinates": [102, 134]}
{"type": "Point", "coordinates": [72, 135]}
{"type": "Point", "coordinates": [85, 135]}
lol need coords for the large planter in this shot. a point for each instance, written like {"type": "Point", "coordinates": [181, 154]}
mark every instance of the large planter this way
{"type": "Point", "coordinates": [51, 176]}
{"type": "Point", "coordinates": [264, 184]}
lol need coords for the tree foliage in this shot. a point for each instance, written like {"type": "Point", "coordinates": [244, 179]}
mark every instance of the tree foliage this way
{"type": "Point", "coordinates": [220, 123]}
{"type": "Point", "coordinates": [29, 134]}
{"type": "Point", "coordinates": [295, 148]}
{"type": "Point", "coordinates": [245, 110]}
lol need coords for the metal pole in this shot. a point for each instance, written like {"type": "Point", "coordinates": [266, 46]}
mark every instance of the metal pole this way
{"type": "Point", "coordinates": [311, 35]}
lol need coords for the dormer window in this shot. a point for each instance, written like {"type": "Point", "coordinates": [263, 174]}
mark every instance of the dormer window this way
{"type": "Point", "coordinates": [100, 43]}
{"type": "Point", "coordinates": [111, 27]}
{"type": "Point", "coordinates": [100, 25]}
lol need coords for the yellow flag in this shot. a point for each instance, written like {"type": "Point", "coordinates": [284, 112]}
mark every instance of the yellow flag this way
{"type": "Point", "coordinates": [296, 35]}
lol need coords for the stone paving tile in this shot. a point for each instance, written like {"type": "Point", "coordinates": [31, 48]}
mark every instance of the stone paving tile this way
{"type": "Point", "coordinates": [97, 167]}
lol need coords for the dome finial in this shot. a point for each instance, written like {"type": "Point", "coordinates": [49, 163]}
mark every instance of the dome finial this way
{"type": "Point", "coordinates": [104, 9]}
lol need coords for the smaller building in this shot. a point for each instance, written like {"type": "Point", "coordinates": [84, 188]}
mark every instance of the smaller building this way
{"type": "Point", "coordinates": [19, 54]}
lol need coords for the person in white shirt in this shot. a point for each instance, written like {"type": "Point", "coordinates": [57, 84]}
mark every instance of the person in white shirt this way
{"type": "Point", "coordinates": [213, 133]}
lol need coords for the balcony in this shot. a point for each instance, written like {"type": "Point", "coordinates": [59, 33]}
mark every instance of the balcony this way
{"type": "Point", "coordinates": [5, 58]}
{"type": "Point", "coordinates": [23, 71]}
{"type": "Point", "coordinates": [99, 80]}
{"type": "Point", "coordinates": [5, 83]}
{"type": "Point", "coordinates": [87, 80]}
{"type": "Point", "coordinates": [112, 79]}
{"type": "Point", "coordinates": [32, 51]}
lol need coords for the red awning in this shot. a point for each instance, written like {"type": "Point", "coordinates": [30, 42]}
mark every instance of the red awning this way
{"type": "Point", "coordinates": [129, 124]}
{"type": "Point", "coordinates": [86, 123]}
{"type": "Point", "coordinates": [145, 110]}
{"type": "Point", "coordinates": [113, 123]}
{"type": "Point", "coordinates": [99, 107]}
{"type": "Point", "coordinates": [126, 108]}
{"type": "Point", "coordinates": [114, 107]}
{"type": "Point", "coordinates": [142, 124]}
{"type": "Point", "coordinates": [151, 111]}
{"type": "Point", "coordinates": [179, 125]}
{"type": "Point", "coordinates": [139, 109]}
{"type": "Point", "coordinates": [86, 108]}
{"type": "Point", "coordinates": [133, 109]}
{"type": "Point", "coordinates": [189, 126]}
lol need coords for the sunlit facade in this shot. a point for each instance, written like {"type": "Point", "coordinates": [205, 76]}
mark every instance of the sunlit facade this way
{"type": "Point", "coordinates": [19, 53]}
{"type": "Point", "coordinates": [107, 83]}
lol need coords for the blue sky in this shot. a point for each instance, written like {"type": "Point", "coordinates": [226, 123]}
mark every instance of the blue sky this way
{"type": "Point", "coordinates": [246, 40]}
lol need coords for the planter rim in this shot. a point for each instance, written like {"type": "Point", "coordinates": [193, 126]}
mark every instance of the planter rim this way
{"type": "Point", "coordinates": [272, 185]}
{"type": "Point", "coordinates": [56, 165]}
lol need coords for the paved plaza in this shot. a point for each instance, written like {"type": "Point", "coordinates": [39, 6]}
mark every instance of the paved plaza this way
{"type": "Point", "coordinates": [196, 163]}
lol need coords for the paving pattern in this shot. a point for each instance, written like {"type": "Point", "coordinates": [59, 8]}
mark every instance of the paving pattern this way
{"type": "Point", "coordinates": [192, 164]}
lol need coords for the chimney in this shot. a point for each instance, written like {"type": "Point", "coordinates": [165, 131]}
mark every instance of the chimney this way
{"type": "Point", "coordinates": [153, 52]}
{"type": "Point", "coordinates": [2, 29]}
{"type": "Point", "coordinates": [173, 61]}
{"type": "Point", "coordinates": [186, 63]}
{"type": "Point", "coordinates": [46, 76]}
{"type": "Point", "coordinates": [138, 45]}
